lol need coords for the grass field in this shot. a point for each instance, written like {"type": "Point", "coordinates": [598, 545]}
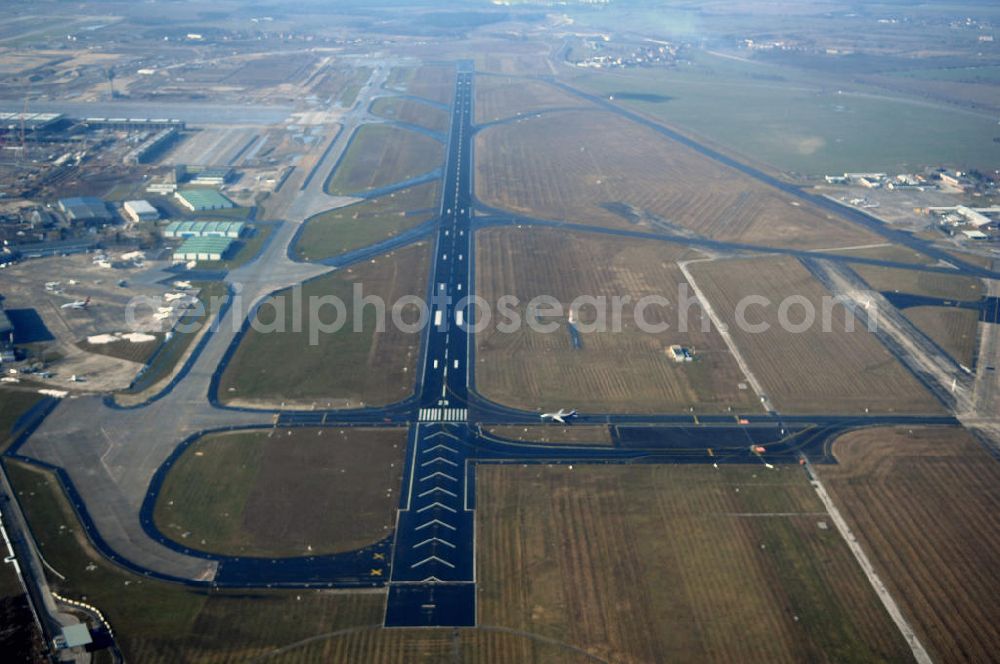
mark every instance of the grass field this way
{"type": "Point", "coordinates": [554, 433]}
{"type": "Point", "coordinates": [924, 504]}
{"type": "Point", "coordinates": [13, 404]}
{"type": "Point", "coordinates": [673, 563]}
{"type": "Point", "coordinates": [380, 155]}
{"type": "Point", "coordinates": [930, 284]}
{"type": "Point", "coordinates": [624, 371]}
{"type": "Point", "coordinates": [503, 97]}
{"type": "Point", "coordinates": [600, 169]}
{"type": "Point", "coordinates": [344, 368]}
{"type": "Point", "coordinates": [955, 330]}
{"type": "Point", "coordinates": [160, 623]}
{"type": "Point", "coordinates": [888, 252]}
{"type": "Point", "coordinates": [344, 229]}
{"type": "Point", "coordinates": [284, 492]}
{"type": "Point", "coordinates": [800, 122]}
{"type": "Point", "coordinates": [413, 112]}
{"type": "Point", "coordinates": [814, 371]}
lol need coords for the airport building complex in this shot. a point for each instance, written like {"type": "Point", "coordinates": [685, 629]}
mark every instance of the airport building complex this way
{"type": "Point", "coordinates": [186, 229]}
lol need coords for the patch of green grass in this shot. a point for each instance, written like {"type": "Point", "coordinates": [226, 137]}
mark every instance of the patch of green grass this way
{"type": "Point", "coordinates": [977, 74]}
{"type": "Point", "coordinates": [229, 214]}
{"type": "Point", "coordinates": [779, 117]}
{"type": "Point", "coordinates": [929, 284]}
{"type": "Point", "coordinates": [345, 229]}
{"type": "Point", "coordinates": [281, 492]}
{"type": "Point", "coordinates": [286, 359]}
{"type": "Point", "coordinates": [381, 155]}
{"type": "Point", "coordinates": [160, 623]}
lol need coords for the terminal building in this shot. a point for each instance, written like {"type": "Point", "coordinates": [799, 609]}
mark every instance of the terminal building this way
{"type": "Point", "coordinates": [203, 249]}
{"type": "Point", "coordinates": [200, 200]}
{"type": "Point", "coordinates": [185, 229]}
{"type": "Point", "coordinates": [30, 122]}
{"type": "Point", "coordinates": [140, 211]}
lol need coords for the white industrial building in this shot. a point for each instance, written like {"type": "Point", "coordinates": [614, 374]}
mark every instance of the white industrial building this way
{"type": "Point", "coordinates": [140, 211]}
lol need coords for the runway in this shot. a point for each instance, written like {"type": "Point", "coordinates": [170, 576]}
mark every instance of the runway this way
{"type": "Point", "coordinates": [428, 563]}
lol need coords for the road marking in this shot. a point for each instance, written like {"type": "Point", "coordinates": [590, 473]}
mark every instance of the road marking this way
{"type": "Point", "coordinates": [429, 560]}
{"type": "Point", "coordinates": [438, 474]}
{"type": "Point", "coordinates": [435, 522]}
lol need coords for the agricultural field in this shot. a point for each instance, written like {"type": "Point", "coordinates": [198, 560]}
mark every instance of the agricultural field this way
{"type": "Point", "coordinates": [615, 371]}
{"type": "Point", "coordinates": [955, 330]}
{"type": "Point", "coordinates": [381, 155]}
{"type": "Point", "coordinates": [929, 284]}
{"type": "Point", "coordinates": [923, 503]}
{"type": "Point", "coordinates": [555, 434]}
{"type": "Point", "coordinates": [362, 224]}
{"type": "Point", "coordinates": [412, 112]}
{"type": "Point", "coordinates": [597, 168]}
{"type": "Point", "coordinates": [342, 368]}
{"type": "Point", "coordinates": [673, 563]}
{"type": "Point", "coordinates": [803, 122]}
{"type": "Point", "coordinates": [284, 492]}
{"type": "Point", "coordinates": [503, 97]}
{"type": "Point", "coordinates": [815, 370]}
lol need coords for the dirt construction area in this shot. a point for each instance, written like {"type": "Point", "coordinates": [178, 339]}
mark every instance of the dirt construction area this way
{"type": "Point", "coordinates": [924, 504]}
{"type": "Point", "coordinates": [57, 336]}
{"type": "Point", "coordinates": [614, 370]}
{"type": "Point", "coordinates": [673, 564]}
{"type": "Point", "coordinates": [596, 168]}
{"type": "Point", "coordinates": [284, 491]}
{"type": "Point", "coordinates": [815, 368]}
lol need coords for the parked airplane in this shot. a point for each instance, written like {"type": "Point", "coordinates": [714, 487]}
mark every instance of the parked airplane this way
{"type": "Point", "coordinates": [559, 416]}
{"type": "Point", "coordinates": [78, 304]}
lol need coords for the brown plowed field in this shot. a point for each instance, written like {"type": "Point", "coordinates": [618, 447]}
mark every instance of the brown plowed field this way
{"type": "Point", "coordinates": [597, 168]}
{"type": "Point", "coordinates": [674, 563]}
{"type": "Point", "coordinates": [623, 371]}
{"type": "Point", "coordinates": [503, 97]}
{"type": "Point", "coordinates": [925, 505]}
{"type": "Point", "coordinates": [813, 371]}
{"type": "Point", "coordinates": [955, 330]}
